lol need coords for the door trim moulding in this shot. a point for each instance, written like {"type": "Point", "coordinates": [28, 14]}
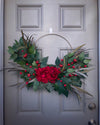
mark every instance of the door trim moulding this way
{"type": "Point", "coordinates": [2, 60]}
{"type": "Point", "coordinates": [99, 54]}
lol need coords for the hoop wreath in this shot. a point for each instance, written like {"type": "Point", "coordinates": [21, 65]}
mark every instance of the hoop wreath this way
{"type": "Point", "coordinates": [65, 76]}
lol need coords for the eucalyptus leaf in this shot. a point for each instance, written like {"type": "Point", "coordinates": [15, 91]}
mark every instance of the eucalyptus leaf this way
{"type": "Point", "coordinates": [86, 61]}
{"type": "Point", "coordinates": [34, 64]}
{"type": "Point", "coordinates": [70, 70]}
{"type": "Point", "coordinates": [49, 87]}
{"type": "Point", "coordinates": [81, 56]}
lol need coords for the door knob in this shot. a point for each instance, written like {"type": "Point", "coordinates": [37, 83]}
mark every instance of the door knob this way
{"type": "Point", "coordinates": [92, 106]}
{"type": "Point", "coordinates": [92, 122]}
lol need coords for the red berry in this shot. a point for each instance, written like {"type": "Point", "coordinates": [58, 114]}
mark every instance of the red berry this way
{"type": "Point", "coordinates": [27, 64]}
{"type": "Point", "coordinates": [58, 68]}
{"type": "Point", "coordinates": [25, 55]}
{"type": "Point", "coordinates": [26, 83]}
{"type": "Point", "coordinates": [33, 74]}
{"type": "Point", "coordinates": [37, 62]}
{"type": "Point", "coordinates": [28, 75]}
{"type": "Point", "coordinates": [70, 75]}
{"type": "Point", "coordinates": [71, 62]}
{"type": "Point", "coordinates": [60, 80]}
{"type": "Point", "coordinates": [30, 66]}
{"type": "Point", "coordinates": [75, 74]}
{"type": "Point", "coordinates": [38, 65]}
{"type": "Point", "coordinates": [64, 76]}
{"type": "Point", "coordinates": [85, 66]}
{"type": "Point", "coordinates": [74, 60]}
{"type": "Point", "coordinates": [80, 67]}
{"type": "Point", "coordinates": [25, 70]}
{"type": "Point", "coordinates": [73, 67]}
{"type": "Point", "coordinates": [61, 65]}
{"type": "Point", "coordinates": [22, 51]}
{"type": "Point", "coordinates": [64, 85]}
{"type": "Point", "coordinates": [29, 78]}
{"type": "Point", "coordinates": [20, 73]}
{"type": "Point", "coordinates": [35, 69]}
{"type": "Point", "coordinates": [61, 59]}
{"type": "Point", "coordinates": [68, 64]}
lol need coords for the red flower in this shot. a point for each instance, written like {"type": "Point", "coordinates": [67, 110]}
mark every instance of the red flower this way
{"type": "Point", "coordinates": [25, 55]}
{"type": "Point", "coordinates": [61, 59]}
{"type": "Point", "coordinates": [60, 80]}
{"type": "Point", "coordinates": [30, 66]}
{"type": "Point", "coordinates": [47, 74]}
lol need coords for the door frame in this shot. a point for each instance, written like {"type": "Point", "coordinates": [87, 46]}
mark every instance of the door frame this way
{"type": "Point", "coordinates": [2, 59]}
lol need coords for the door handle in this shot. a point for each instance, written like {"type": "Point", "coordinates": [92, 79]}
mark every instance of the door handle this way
{"type": "Point", "coordinates": [92, 122]}
{"type": "Point", "coordinates": [92, 106]}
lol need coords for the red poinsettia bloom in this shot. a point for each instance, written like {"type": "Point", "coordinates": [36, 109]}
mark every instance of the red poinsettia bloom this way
{"type": "Point", "coordinates": [47, 74]}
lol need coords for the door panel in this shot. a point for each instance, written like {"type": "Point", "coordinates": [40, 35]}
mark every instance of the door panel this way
{"type": "Point", "coordinates": [76, 20]}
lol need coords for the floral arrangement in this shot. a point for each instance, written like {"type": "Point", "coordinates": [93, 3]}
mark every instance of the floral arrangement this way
{"type": "Point", "coordinates": [67, 75]}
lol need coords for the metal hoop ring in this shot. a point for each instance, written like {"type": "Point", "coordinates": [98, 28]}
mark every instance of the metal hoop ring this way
{"type": "Point", "coordinates": [54, 35]}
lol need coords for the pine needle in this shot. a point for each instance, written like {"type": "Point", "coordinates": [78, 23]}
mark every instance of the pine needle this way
{"type": "Point", "coordinates": [78, 48]}
{"type": "Point", "coordinates": [82, 90]}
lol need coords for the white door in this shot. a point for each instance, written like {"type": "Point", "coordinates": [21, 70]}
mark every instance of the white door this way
{"type": "Point", "coordinates": [76, 20]}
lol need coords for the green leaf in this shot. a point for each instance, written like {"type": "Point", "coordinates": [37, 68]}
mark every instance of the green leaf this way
{"type": "Point", "coordinates": [70, 54]}
{"type": "Point", "coordinates": [35, 85]}
{"type": "Point", "coordinates": [70, 70]}
{"type": "Point", "coordinates": [86, 61]}
{"type": "Point", "coordinates": [66, 80]}
{"type": "Point", "coordinates": [57, 61]}
{"type": "Point", "coordinates": [10, 50]}
{"type": "Point", "coordinates": [60, 88]}
{"type": "Point", "coordinates": [70, 59]}
{"type": "Point", "coordinates": [81, 56]}
{"type": "Point", "coordinates": [44, 62]}
{"type": "Point", "coordinates": [31, 49]}
{"type": "Point", "coordinates": [14, 56]}
{"type": "Point", "coordinates": [34, 64]}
